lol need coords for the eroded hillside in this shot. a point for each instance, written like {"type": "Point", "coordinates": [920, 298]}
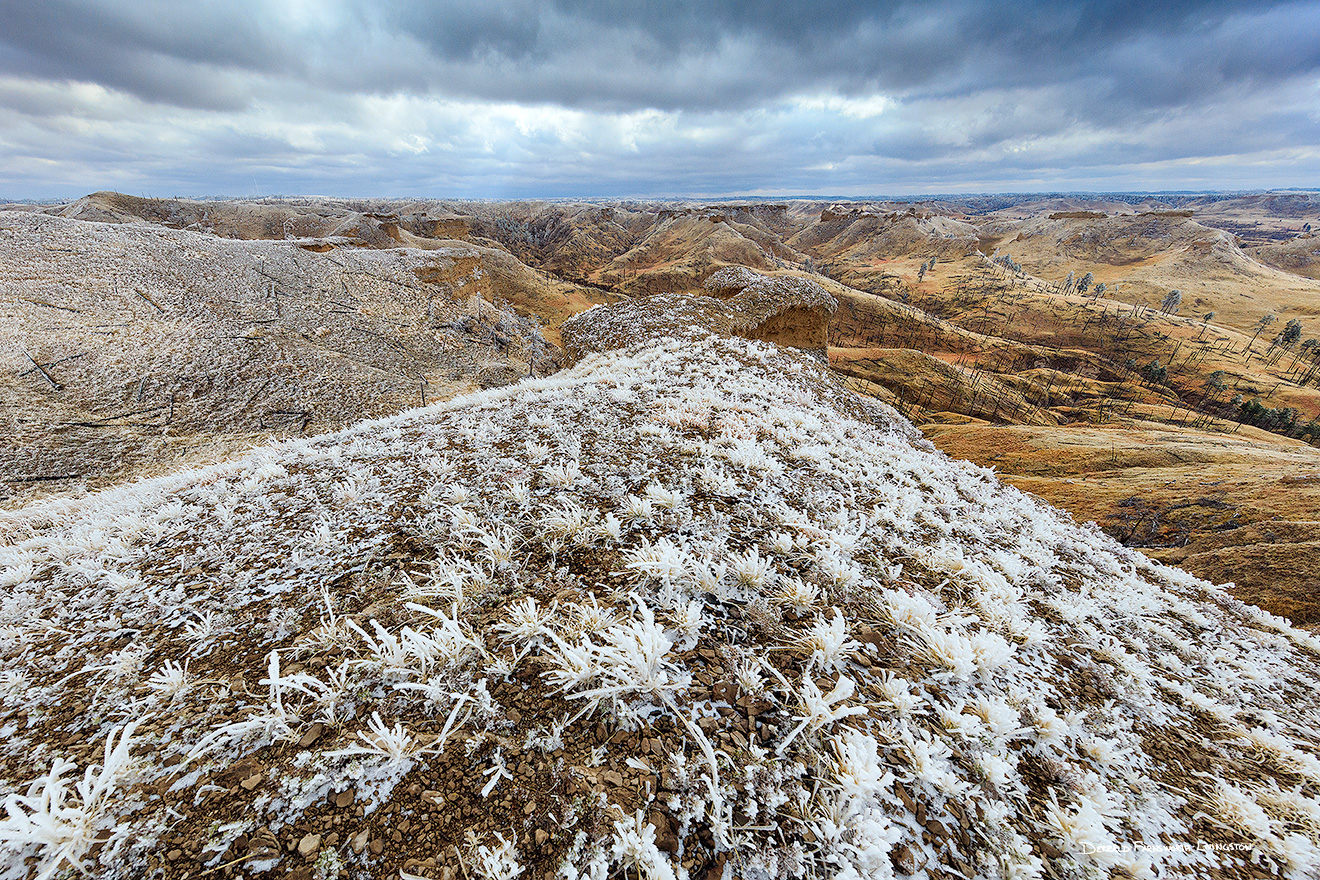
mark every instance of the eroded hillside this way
{"type": "Point", "coordinates": [1062, 338]}
{"type": "Point", "coordinates": [131, 347]}
{"type": "Point", "coordinates": [1036, 323]}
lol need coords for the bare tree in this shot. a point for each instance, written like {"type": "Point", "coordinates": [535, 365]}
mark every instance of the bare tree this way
{"type": "Point", "coordinates": [1172, 300]}
{"type": "Point", "coordinates": [1265, 321]}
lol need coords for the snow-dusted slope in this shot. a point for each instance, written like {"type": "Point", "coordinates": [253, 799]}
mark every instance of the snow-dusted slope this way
{"type": "Point", "coordinates": [687, 608]}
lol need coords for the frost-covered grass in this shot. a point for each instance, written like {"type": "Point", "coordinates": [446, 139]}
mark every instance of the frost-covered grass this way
{"type": "Point", "coordinates": [169, 343]}
{"type": "Point", "coordinates": [828, 636]}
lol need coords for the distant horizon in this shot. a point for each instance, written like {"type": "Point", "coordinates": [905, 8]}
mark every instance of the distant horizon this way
{"type": "Point", "coordinates": [797, 197]}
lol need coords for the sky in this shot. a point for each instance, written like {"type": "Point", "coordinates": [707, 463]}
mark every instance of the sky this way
{"type": "Point", "coordinates": [621, 98]}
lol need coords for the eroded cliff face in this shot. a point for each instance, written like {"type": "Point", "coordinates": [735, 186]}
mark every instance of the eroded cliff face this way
{"type": "Point", "coordinates": [787, 311]}
{"type": "Point", "coordinates": [688, 608]}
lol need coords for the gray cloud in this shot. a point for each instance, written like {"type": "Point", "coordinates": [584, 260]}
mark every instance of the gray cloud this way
{"type": "Point", "coordinates": [713, 96]}
{"type": "Point", "coordinates": [680, 55]}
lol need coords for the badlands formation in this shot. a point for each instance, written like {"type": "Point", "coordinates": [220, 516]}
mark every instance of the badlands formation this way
{"type": "Point", "coordinates": [688, 608]}
{"type": "Point", "coordinates": [1026, 334]}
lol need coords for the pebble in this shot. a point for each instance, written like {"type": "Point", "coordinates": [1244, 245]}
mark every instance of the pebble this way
{"type": "Point", "coordinates": [541, 835]}
{"type": "Point", "coordinates": [344, 798]}
{"type": "Point", "coordinates": [309, 844]}
{"type": "Point", "coordinates": [413, 864]}
{"type": "Point", "coordinates": [903, 859]}
{"type": "Point", "coordinates": [251, 782]}
{"type": "Point", "coordinates": [312, 735]}
{"type": "Point", "coordinates": [359, 841]}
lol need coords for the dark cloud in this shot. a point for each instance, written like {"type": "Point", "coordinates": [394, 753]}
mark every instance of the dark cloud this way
{"type": "Point", "coordinates": [618, 54]}
{"type": "Point", "coordinates": [699, 55]}
{"type": "Point", "coordinates": [174, 53]}
{"type": "Point", "coordinates": [751, 93]}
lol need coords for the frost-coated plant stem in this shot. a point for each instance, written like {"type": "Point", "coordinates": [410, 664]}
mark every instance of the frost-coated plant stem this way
{"type": "Point", "coordinates": [60, 827]}
{"type": "Point", "coordinates": [719, 826]}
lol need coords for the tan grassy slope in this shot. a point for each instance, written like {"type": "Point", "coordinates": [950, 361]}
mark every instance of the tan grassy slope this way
{"type": "Point", "coordinates": [1238, 508]}
{"type": "Point", "coordinates": [1142, 257]}
{"type": "Point", "coordinates": [688, 608]}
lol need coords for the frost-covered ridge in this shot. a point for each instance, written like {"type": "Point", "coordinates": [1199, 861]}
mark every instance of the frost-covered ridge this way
{"type": "Point", "coordinates": [686, 609]}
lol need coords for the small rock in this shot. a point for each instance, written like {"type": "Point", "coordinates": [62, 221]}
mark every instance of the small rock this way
{"type": "Point", "coordinates": [359, 841]}
{"type": "Point", "coordinates": [309, 844]}
{"type": "Point", "coordinates": [312, 735]}
{"type": "Point", "coordinates": [905, 860]}
{"type": "Point", "coordinates": [377, 846]}
{"type": "Point", "coordinates": [1048, 851]}
{"type": "Point", "coordinates": [611, 777]}
{"type": "Point", "coordinates": [414, 864]}
{"type": "Point", "coordinates": [434, 798]}
{"type": "Point", "coordinates": [344, 798]}
{"type": "Point", "coordinates": [174, 855]}
{"type": "Point", "coordinates": [331, 839]}
{"type": "Point", "coordinates": [251, 782]}
{"type": "Point", "coordinates": [541, 836]}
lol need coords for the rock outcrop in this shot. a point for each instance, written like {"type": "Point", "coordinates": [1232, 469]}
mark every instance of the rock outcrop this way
{"type": "Point", "coordinates": [785, 310]}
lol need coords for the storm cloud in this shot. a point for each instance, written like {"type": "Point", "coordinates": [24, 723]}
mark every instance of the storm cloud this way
{"type": "Point", "coordinates": [606, 97]}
